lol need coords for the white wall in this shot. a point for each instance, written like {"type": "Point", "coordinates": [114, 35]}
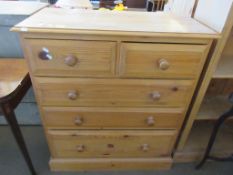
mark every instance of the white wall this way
{"type": "Point", "coordinates": [213, 13]}
{"type": "Point", "coordinates": [180, 7]}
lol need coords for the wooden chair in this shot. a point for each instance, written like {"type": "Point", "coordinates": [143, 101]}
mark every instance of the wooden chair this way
{"type": "Point", "coordinates": [108, 3]}
{"type": "Point", "coordinates": [14, 83]}
{"type": "Point", "coordinates": [155, 5]}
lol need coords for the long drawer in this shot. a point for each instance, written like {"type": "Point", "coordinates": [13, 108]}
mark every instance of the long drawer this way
{"type": "Point", "coordinates": [150, 60]}
{"type": "Point", "coordinates": [50, 57]}
{"type": "Point", "coordinates": [114, 92]}
{"type": "Point", "coordinates": [110, 143]}
{"type": "Point", "coordinates": [107, 118]}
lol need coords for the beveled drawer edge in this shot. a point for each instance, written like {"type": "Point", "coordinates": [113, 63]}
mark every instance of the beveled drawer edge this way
{"type": "Point", "coordinates": [115, 109]}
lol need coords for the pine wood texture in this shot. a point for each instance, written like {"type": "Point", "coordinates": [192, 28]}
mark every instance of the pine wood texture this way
{"type": "Point", "coordinates": [227, 51]}
{"type": "Point", "coordinates": [109, 118]}
{"type": "Point", "coordinates": [207, 76]}
{"type": "Point", "coordinates": [12, 72]}
{"type": "Point", "coordinates": [97, 112]}
{"type": "Point", "coordinates": [114, 92]}
{"type": "Point", "coordinates": [210, 103]}
{"type": "Point", "coordinates": [224, 68]}
{"type": "Point", "coordinates": [108, 23]}
{"type": "Point", "coordinates": [111, 144]}
{"type": "Point", "coordinates": [92, 58]}
{"type": "Point", "coordinates": [161, 60]}
{"type": "Point", "coordinates": [110, 164]}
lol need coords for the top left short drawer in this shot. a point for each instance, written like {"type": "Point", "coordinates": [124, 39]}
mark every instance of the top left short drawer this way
{"type": "Point", "coordinates": [73, 58]}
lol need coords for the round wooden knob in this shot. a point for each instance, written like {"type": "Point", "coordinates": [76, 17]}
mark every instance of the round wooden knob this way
{"type": "Point", "coordinates": [145, 147]}
{"type": "Point", "coordinates": [155, 95]}
{"type": "Point", "coordinates": [163, 64]}
{"type": "Point", "coordinates": [71, 60]}
{"type": "Point", "coordinates": [150, 121]}
{"type": "Point", "coordinates": [72, 95]}
{"type": "Point", "coordinates": [80, 148]}
{"type": "Point", "coordinates": [78, 121]}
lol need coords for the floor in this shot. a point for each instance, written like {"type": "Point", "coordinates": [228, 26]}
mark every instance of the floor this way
{"type": "Point", "coordinates": [26, 112]}
{"type": "Point", "coordinates": [12, 163]}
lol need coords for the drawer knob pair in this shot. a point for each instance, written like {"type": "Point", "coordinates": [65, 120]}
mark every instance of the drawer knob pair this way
{"type": "Point", "coordinates": [150, 121]}
{"type": "Point", "coordinates": [155, 95]}
{"type": "Point", "coordinates": [78, 120]}
{"type": "Point", "coordinates": [163, 64]}
{"type": "Point", "coordinates": [72, 95]}
{"type": "Point", "coordinates": [44, 54]}
{"type": "Point", "coordinates": [71, 60]}
{"type": "Point", "coordinates": [145, 147]}
{"type": "Point", "coordinates": [80, 148]}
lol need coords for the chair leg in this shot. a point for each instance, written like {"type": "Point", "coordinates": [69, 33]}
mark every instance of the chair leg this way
{"type": "Point", "coordinates": [9, 114]}
{"type": "Point", "coordinates": [218, 124]}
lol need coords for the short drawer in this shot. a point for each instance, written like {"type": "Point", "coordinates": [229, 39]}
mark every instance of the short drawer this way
{"type": "Point", "coordinates": [109, 143]}
{"type": "Point", "coordinates": [161, 60]}
{"type": "Point", "coordinates": [108, 118]}
{"type": "Point", "coordinates": [115, 92]}
{"type": "Point", "coordinates": [48, 57]}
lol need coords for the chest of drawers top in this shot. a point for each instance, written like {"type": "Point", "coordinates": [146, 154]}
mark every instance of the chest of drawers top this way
{"type": "Point", "coordinates": [114, 23]}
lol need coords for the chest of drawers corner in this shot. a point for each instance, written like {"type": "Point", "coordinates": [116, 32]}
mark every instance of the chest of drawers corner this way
{"type": "Point", "coordinates": [113, 100]}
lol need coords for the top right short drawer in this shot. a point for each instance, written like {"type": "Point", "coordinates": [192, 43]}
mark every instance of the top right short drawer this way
{"type": "Point", "coordinates": [150, 60]}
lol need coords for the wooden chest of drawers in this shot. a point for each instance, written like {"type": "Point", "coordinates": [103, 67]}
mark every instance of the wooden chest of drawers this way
{"type": "Point", "coordinates": [112, 100]}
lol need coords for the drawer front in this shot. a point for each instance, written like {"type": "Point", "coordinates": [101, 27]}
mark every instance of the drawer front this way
{"type": "Point", "coordinates": [71, 57]}
{"type": "Point", "coordinates": [100, 144]}
{"type": "Point", "coordinates": [103, 164]}
{"type": "Point", "coordinates": [161, 60]}
{"type": "Point", "coordinates": [106, 92]}
{"type": "Point", "coordinates": [107, 118]}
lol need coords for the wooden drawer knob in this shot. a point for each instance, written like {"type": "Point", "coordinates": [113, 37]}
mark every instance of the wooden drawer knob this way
{"type": "Point", "coordinates": [163, 64]}
{"type": "Point", "coordinates": [72, 95]}
{"type": "Point", "coordinates": [80, 148]}
{"type": "Point", "coordinates": [145, 147]}
{"type": "Point", "coordinates": [78, 120]}
{"type": "Point", "coordinates": [155, 95]}
{"type": "Point", "coordinates": [150, 121]}
{"type": "Point", "coordinates": [71, 60]}
{"type": "Point", "coordinates": [44, 54]}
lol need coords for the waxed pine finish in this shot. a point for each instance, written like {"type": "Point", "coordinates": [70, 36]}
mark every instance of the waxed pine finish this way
{"type": "Point", "coordinates": [113, 88]}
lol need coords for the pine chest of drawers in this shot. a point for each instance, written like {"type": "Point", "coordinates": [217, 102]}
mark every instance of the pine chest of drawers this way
{"type": "Point", "coordinates": [113, 88]}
